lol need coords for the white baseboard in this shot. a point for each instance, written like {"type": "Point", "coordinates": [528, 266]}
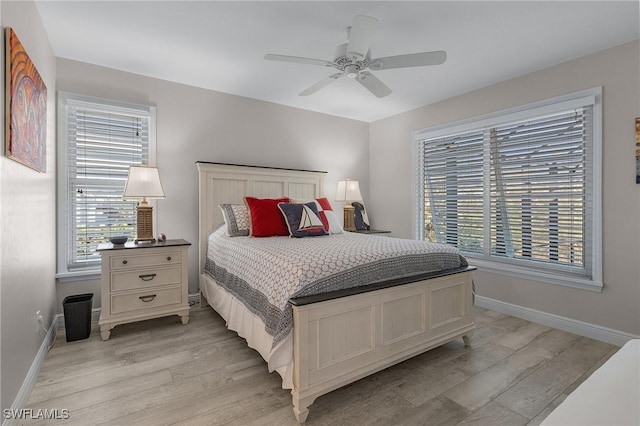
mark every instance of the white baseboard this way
{"type": "Point", "coordinates": [32, 375]}
{"type": "Point", "coordinates": [592, 331]}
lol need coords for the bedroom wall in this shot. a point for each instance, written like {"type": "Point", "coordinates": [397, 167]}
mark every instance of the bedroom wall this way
{"type": "Point", "coordinates": [197, 124]}
{"type": "Point", "coordinates": [617, 70]}
{"type": "Point", "coordinates": [28, 217]}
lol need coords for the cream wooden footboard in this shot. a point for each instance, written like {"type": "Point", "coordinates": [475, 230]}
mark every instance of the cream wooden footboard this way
{"type": "Point", "coordinates": [339, 341]}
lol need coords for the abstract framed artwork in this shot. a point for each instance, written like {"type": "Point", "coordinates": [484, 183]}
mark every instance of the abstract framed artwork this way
{"type": "Point", "coordinates": [26, 107]}
{"type": "Point", "coordinates": [638, 150]}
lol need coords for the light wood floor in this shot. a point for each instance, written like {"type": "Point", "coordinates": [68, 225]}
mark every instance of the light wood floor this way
{"type": "Point", "coordinates": [159, 372]}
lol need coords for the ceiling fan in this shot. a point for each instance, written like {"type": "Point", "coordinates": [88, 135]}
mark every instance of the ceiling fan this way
{"type": "Point", "coordinates": [353, 59]}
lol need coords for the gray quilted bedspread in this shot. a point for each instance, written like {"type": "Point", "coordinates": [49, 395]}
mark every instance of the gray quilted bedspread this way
{"type": "Point", "coordinates": [264, 273]}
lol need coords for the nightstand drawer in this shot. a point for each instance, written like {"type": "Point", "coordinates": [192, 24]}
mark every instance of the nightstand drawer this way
{"type": "Point", "coordinates": [156, 259]}
{"type": "Point", "coordinates": [121, 303]}
{"type": "Point", "coordinates": [142, 278]}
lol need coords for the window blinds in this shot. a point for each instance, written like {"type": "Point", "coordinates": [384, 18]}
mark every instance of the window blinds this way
{"type": "Point", "coordinates": [518, 191]}
{"type": "Point", "coordinates": [539, 188]}
{"type": "Point", "coordinates": [101, 145]}
{"type": "Point", "coordinates": [453, 167]}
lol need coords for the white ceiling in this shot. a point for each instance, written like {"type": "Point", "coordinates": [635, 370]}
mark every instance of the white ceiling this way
{"type": "Point", "coordinates": [221, 45]}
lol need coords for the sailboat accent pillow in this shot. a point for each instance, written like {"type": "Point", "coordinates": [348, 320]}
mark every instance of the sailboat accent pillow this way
{"type": "Point", "coordinates": [302, 220]}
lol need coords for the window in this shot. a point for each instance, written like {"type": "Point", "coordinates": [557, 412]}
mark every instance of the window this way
{"type": "Point", "coordinates": [518, 192]}
{"type": "Point", "coordinates": [98, 140]}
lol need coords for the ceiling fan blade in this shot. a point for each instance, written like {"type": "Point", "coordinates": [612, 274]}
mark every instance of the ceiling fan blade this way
{"type": "Point", "coordinates": [299, 60]}
{"type": "Point", "coordinates": [373, 84]}
{"type": "Point", "coordinates": [412, 60]}
{"type": "Point", "coordinates": [322, 83]}
{"type": "Point", "coordinates": [360, 36]}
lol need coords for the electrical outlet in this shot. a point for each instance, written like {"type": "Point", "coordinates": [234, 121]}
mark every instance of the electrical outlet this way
{"type": "Point", "coordinates": [39, 320]}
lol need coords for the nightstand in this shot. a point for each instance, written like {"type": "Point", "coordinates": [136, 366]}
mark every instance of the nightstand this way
{"type": "Point", "coordinates": [143, 281]}
{"type": "Point", "coordinates": [370, 231]}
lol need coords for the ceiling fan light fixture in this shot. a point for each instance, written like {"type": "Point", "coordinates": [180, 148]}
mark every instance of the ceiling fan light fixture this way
{"type": "Point", "coordinates": [351, 71]}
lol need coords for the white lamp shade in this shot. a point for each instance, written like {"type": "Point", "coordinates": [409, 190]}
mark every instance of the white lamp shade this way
{"type": "Point", "coordinates": [348, 190]}
{"type": "Point", "coordinates": [142, 182]}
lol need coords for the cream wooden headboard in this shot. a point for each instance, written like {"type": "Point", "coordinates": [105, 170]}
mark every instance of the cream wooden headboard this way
{"type": "Point", "coordinates": [230, 183]}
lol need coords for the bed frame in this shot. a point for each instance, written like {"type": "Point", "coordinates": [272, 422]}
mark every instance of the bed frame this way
{"type": "Point", "coordinates": [341, 340]}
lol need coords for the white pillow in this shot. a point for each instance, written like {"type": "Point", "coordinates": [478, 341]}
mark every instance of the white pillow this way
{"type": "Point", "coordinates": [334, 223]}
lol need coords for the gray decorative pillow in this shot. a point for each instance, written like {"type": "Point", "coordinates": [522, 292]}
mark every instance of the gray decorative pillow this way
{"type": "Point", "coordinates": [236, 218]}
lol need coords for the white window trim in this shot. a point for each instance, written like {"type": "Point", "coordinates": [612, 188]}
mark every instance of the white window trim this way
{"type": "Point", "coordinates": [62, 196]}
{"type": "Point", "coordinates": [556, 104]}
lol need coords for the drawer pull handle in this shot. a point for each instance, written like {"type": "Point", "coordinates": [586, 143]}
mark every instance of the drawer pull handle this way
{"type": "Point", "coordinates": [148, 298]}
{"type": "Point", "coordinates": [124, 262]}
{"type": "Point", "coordinates": [147, 277]}
{"type": "Point", "coordinates": [168, 257]}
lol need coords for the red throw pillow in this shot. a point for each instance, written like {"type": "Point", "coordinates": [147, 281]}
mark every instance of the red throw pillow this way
{"type": "Point", "coordinates": [265, 217]}
{"type": "Point", "coordinates": [325, 205]}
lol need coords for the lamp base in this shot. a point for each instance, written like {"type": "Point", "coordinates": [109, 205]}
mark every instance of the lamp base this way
{"type": "Point", "coordinates": [145, 223]}
{"type": "Point", "coordinates": [349, 218]}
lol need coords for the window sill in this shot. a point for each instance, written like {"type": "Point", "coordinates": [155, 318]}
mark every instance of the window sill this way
{"type": "Point", "coordinates": [535, 275]}
{"type": "Point", "coordinates": [84, 275]}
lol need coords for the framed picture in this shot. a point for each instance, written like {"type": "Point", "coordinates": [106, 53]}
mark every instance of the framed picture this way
{"type": "Point", "coordinates": [26, 107]}
{"type": "Point", "coordinates": [638, 150]}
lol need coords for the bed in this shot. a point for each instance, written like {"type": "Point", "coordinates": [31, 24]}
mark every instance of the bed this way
{"type": "Point", "coordinates": [343, 333]}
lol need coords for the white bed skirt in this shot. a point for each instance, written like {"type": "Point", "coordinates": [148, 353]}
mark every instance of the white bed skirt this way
{"type": "Point", "coordinates": [251, 328]}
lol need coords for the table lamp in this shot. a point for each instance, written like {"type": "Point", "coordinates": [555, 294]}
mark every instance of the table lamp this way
{"type": "Point", "coordinates": [143, 182]}
{"type": "Point", "coordinates": [348, 191]}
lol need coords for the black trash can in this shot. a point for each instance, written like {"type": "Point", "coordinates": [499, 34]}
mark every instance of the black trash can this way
{"type": "Point", "coordinates": [77, 316]}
